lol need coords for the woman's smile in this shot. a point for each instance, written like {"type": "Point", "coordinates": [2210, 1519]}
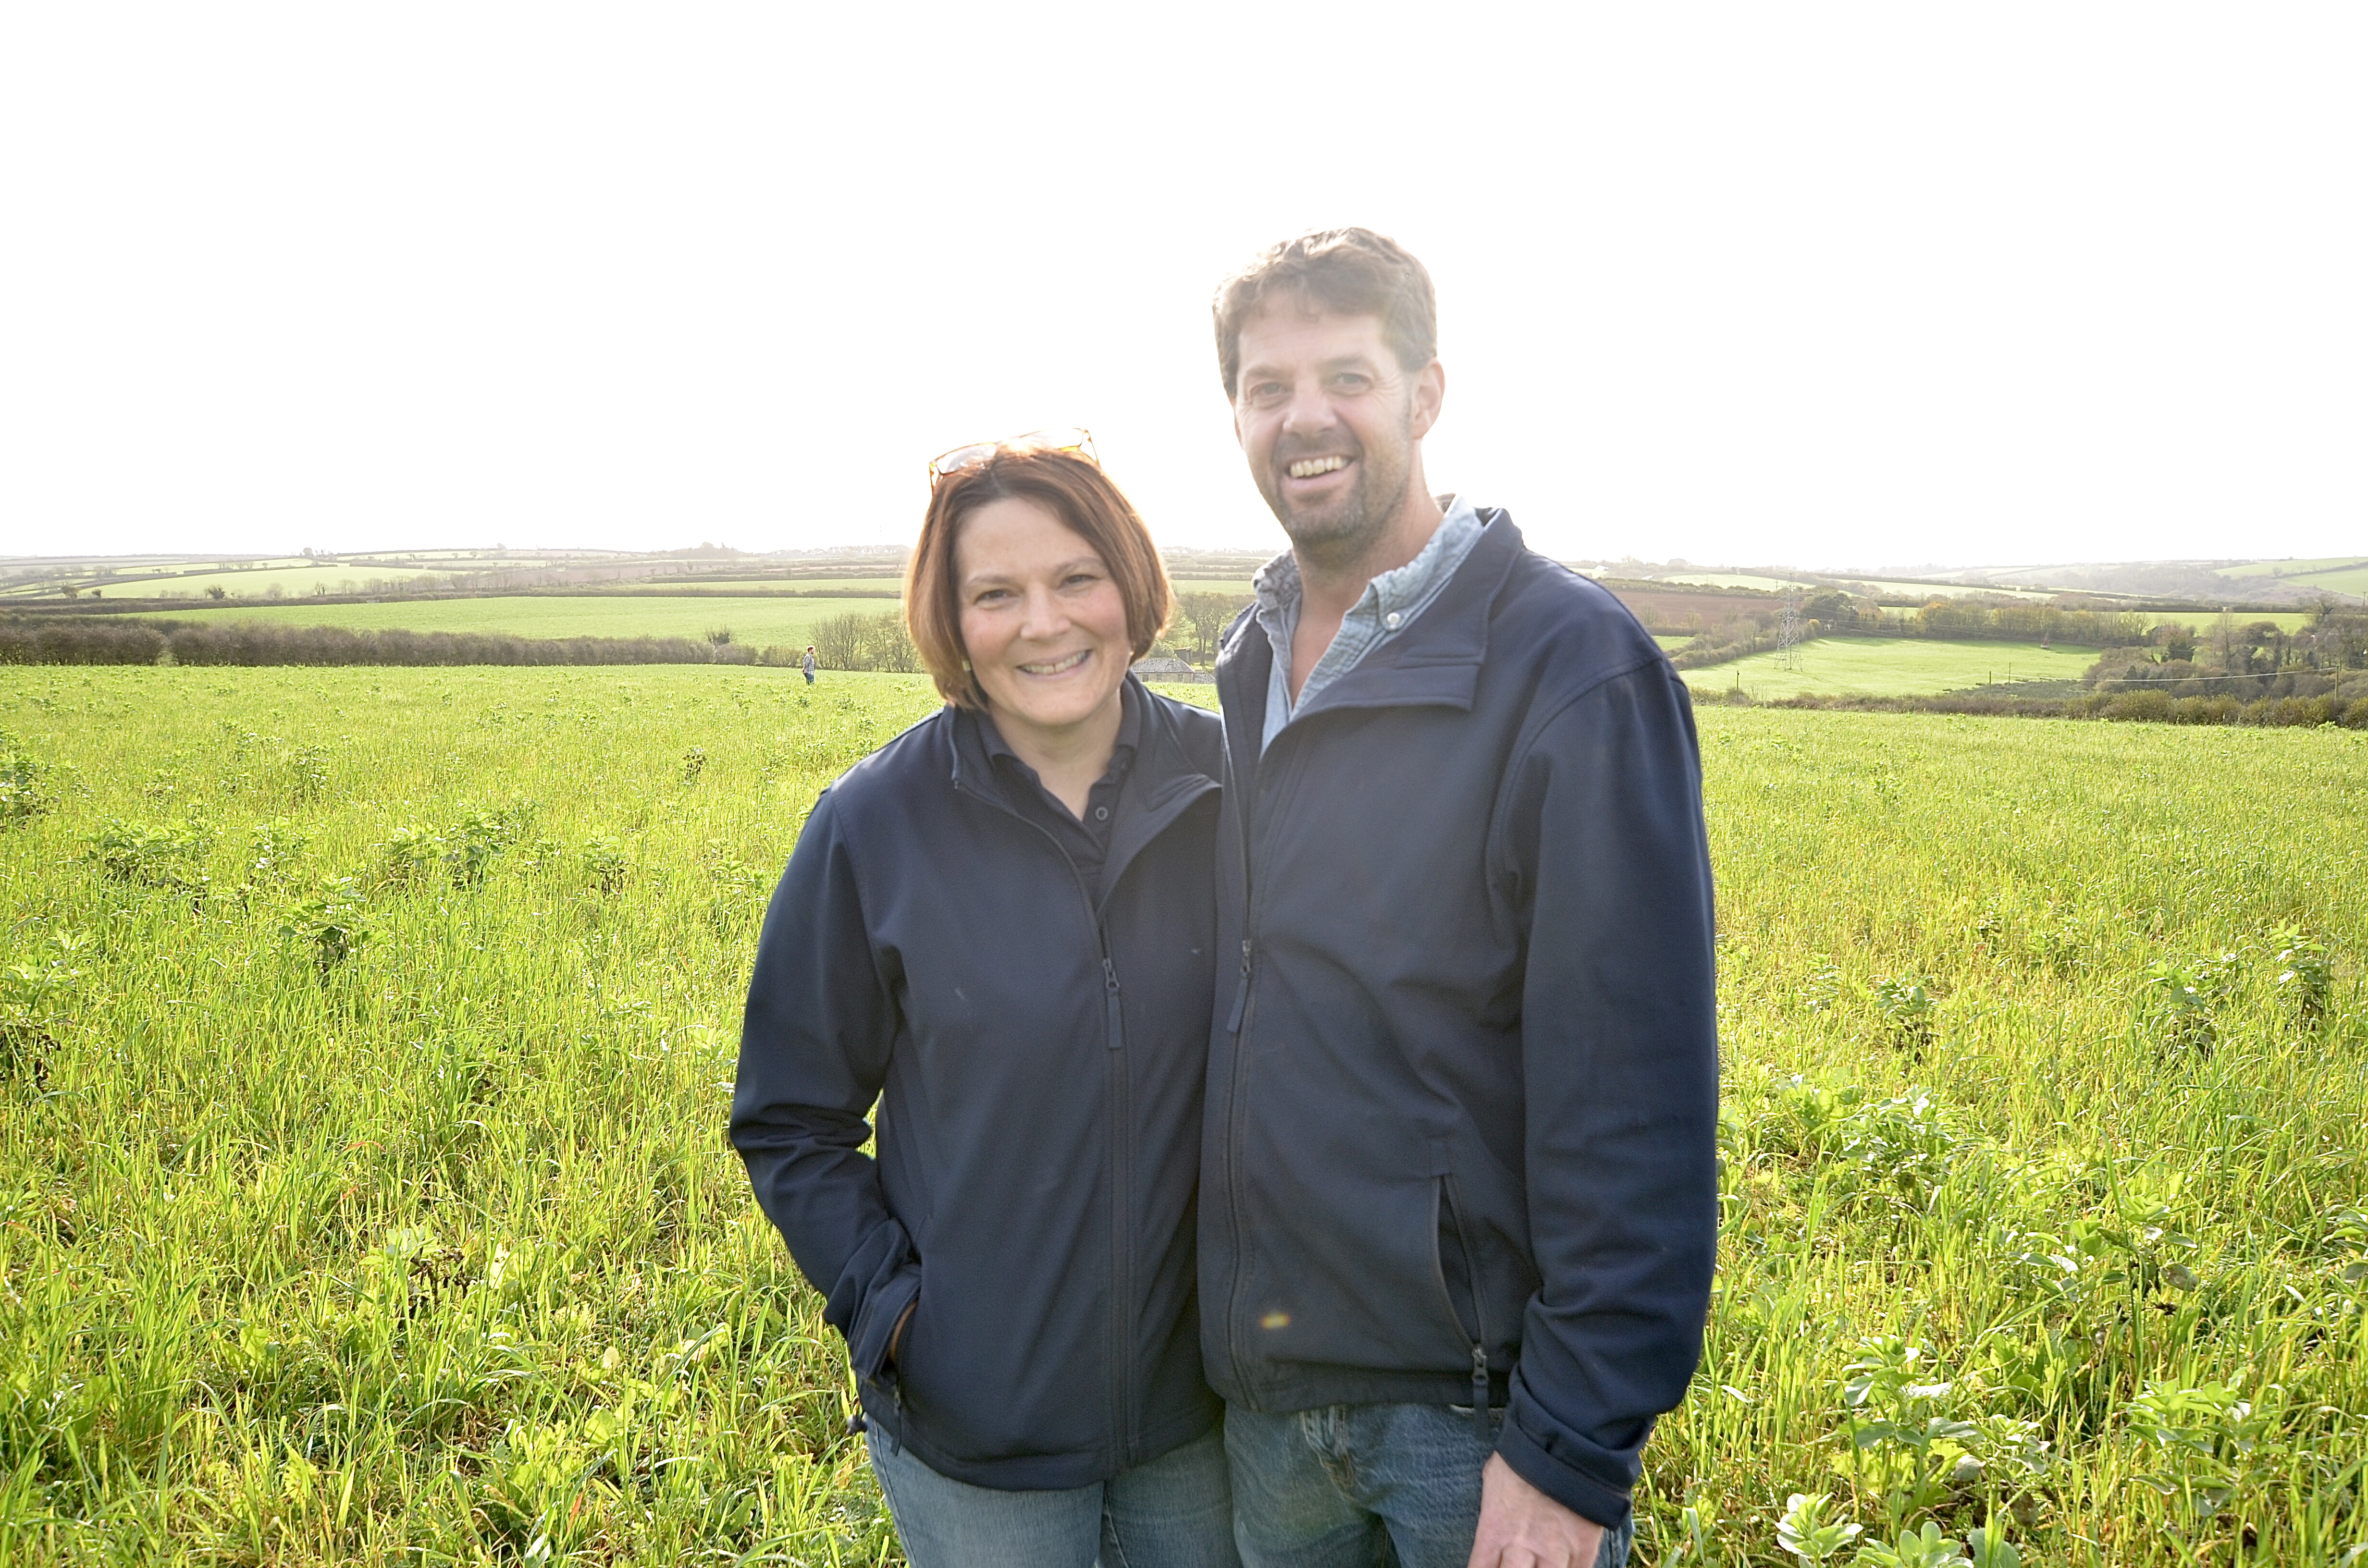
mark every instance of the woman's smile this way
{"type": "Point", "coordinates": [1059, 666]}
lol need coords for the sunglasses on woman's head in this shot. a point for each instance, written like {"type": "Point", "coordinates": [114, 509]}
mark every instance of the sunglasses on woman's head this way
{"type": "Point", "coordinates": [1072, 440]}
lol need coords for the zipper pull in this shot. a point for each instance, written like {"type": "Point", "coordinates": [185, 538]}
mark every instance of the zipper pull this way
{"type": "Point", "coordinates": [1242, 992]}
{"type": "Point", "coordinates": [1117, 1041]}
{"type": "Point", "coordinates": [1480, 1388]}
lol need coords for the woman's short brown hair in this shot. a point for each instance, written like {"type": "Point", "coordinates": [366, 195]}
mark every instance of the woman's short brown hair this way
{"type": "Point", "coordinates": [1075, 490]}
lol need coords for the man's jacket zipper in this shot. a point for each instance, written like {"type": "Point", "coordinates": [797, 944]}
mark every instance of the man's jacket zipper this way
{"type": "Point", "coordinates": [1479, 1311]}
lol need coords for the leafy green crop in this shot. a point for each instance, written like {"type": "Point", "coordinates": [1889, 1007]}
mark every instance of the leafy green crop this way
{"type": "Point", "coordinates": [375, 1207]}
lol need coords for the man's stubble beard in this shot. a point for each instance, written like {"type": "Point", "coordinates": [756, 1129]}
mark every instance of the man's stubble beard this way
{"type": "Point", "coordinates": [1344, 534]}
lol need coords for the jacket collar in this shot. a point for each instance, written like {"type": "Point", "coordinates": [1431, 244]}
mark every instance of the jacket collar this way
{"type": "Point", "coordinates": [1165, 779]}
{"type": "Point", "coordinates": [1434, 662]}
{"type": "Point", "coordinates": [1133, 701]}
{"type": "Point", "coordinates": [1145, 726]}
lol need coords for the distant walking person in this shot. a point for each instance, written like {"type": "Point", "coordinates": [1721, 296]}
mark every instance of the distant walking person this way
{"type": "Point", "coordinates": [1002, 928]}
{"type": "Point", "coordinates": [1459, 1193]}
{"type": "Point", "coordinates": [809, 666]}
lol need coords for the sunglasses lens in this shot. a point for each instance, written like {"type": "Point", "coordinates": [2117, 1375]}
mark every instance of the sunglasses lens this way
{"type": "Point", "coordinates": [1064, 440]}
{"type": "Point", "coordinates": [962, 458]}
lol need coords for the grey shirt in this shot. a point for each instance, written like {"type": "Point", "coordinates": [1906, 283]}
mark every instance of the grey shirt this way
{"type": "Point", "coordinates": [1387, 606]}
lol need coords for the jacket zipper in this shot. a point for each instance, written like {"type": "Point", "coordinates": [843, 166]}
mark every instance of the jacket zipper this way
{"type": "Point", "coordinates": [1121, 1145]}
{"type": "Point", "coordinates": [1479, 1309]}
{"type": "Point", "coordinates": [1121, 1207]}
{"type": "Point", "coordinates": [1236, 1112]}
{"type": "Point", "coordinates": [1241, 992]}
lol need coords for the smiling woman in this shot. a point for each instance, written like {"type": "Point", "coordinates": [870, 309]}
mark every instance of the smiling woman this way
{"type": "Point", "coordinates": [1001, 929]}
{"type": "Point", "coordinates": [1044, 627]}
{"type": "Point", "coordinates": [1034, 586]}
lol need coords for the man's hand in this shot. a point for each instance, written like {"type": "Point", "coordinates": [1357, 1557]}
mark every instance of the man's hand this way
{"type": "Point", "coordinates": [1520, 1526]}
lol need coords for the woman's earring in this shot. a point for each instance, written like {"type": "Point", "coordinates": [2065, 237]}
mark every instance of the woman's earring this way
{"type": "Point", "coordinates": [966, 664]}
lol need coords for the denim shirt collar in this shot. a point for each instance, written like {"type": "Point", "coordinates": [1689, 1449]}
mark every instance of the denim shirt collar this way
{"type": "Point", "coordinates": [1387, 606]}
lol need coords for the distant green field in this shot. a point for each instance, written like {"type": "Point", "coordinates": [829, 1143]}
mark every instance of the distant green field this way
{"type": "Point", "coordinates": [291, 581]}
{"type": "Point", "coordinates": [1890, 666]}
{"type": "Point", "coordinates": [2352, 580]}
{"type": "Point", "coordinates": [753, 621]}
{"type": "Point", "coordinates": [1239, 586]}
{"type": "Point", "coordinates": [1739, 580]}
{"type": "Point", "coordinates": [2292, 568]}
{"type": "Point", "coordinates": [1889, 589]}
{"type": "Point", "coordinates": [1920, 591]}
{"type": "Point", "coordinates": [2286, 619]}
{"type": "Point", "coordinates": [295, 577]}
{"type": "Point", "coordinates": [893, 588]}
{"type": "Point", "coordinates": [639, 612]}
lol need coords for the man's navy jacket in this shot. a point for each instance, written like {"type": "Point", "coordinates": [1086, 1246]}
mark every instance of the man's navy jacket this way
{"type": "Point", "coordinates": [1037, 1060]}
{"type": "Point", "coordinates": [1463, 1088]}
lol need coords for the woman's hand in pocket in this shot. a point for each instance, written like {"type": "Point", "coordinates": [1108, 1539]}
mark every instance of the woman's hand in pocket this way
{"type": "Point", "coordinates": [896, 1335]}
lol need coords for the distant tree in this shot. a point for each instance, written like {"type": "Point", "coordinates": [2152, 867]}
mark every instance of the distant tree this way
{"type": "Point", "coordinates": [216, 591]}
{"type": "Point", "coordinates": [1202, 617]}
{"type": "Point", "coordinates": [859, 641]}
{"type": "Point", "coordinates": [2265, 645]}
{"type": "Point", "coordinates": [1831, 609]}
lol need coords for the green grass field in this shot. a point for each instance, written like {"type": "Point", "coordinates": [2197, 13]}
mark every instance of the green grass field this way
{"type": "Point", "coordinates": [366, 1038]}
{"type": "Point", "coordinates": [1889, 666]}
{"type": "Point", "coordinates": [2354, 580]}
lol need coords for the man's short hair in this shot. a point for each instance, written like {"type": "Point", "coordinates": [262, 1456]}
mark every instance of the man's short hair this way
{"type": "Point", "coordinates": [1088, 504]}
{"type": "Point", "coordinates": [1351, 272]}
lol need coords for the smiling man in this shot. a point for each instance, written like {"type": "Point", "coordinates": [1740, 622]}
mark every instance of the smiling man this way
{"type": "Point", "coordinates": [1458, 1200]}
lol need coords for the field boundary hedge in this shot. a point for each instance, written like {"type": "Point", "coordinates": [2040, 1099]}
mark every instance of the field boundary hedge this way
{"type": "Point", "coordinates": [109, 640]}
{"type": "Point", "coordinates": [2122, 707]}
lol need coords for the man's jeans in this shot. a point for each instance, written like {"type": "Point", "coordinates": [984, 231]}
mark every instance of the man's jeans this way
{"type": "Point", "coordinates": [1173, 1512]}
{"type": "Point", "coordinates": [1365, 1486]}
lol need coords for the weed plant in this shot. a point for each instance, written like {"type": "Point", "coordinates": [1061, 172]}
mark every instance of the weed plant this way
{"type": "Point", "coordinates": [366, 1038]}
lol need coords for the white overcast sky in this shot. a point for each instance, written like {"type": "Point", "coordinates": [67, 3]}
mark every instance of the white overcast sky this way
{"type": "Point", "coordinates": [1811, 283]}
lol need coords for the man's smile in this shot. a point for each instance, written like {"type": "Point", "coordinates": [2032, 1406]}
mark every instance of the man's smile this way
{"type": "Point", "coordinates": [1308, 468]}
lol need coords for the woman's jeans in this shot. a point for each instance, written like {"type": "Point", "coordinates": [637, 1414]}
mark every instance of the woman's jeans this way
{"type": "Point", "coordinates": [1174, 1511]}
{"type": "Point", "coordinates": [1365, 1485]}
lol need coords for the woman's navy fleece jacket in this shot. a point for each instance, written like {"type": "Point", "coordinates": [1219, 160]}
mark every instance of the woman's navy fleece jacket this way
{"type": "Point", "coordinates": [1039, 1064]}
